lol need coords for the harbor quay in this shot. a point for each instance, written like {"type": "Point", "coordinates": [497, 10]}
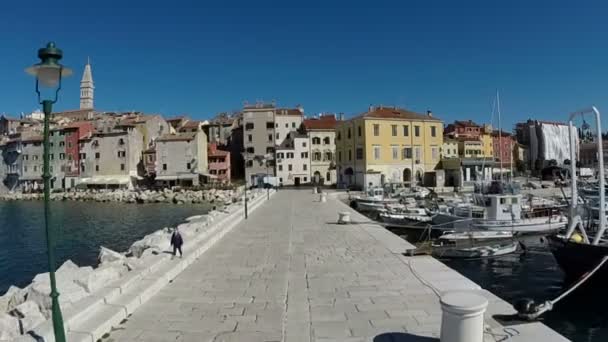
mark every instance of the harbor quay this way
{"type": "Point", "coordinates": [290, 272]}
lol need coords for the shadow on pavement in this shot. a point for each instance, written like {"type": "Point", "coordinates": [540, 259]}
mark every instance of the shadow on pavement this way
{"type": "Point", "coordinates": [403, 337]}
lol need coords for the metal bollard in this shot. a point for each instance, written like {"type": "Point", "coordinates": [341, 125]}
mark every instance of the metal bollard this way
{"type": "Point", "coordinates": [343, 217]}
{"type": "Point", "coordinates": [462, 319]}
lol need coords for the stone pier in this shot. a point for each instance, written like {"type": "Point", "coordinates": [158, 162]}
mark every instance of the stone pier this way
{"type": "Point", "coordinates": [291, 273]}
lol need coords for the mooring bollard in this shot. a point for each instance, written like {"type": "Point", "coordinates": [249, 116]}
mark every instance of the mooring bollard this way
{"type": "Point", "coordinates": [323, 197]}
{"type": "Point", "coordinates": [462, 319]}
{"type": "Point", "coordinates": [314, 189]}
{"type": "Point", "coordinates": [344, 217]}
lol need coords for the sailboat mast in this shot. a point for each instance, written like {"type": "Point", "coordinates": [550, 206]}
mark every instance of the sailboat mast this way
{"type": "Point", "coordinates": [499, 133]}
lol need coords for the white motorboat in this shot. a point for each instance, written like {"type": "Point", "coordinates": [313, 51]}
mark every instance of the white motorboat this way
{"type": "Point", "coordinates": [405, 217]}
{"type": "Point", "coordinates": [483, 251]}
{"type": "Point", "coordinates": [374, 200]}
{"type": "Point", "coordinates": [476, 236]}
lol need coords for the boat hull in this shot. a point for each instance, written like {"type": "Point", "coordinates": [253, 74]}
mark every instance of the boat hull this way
{"type": "Point", "coordinates": [488, 251]}
{"type": "Point", "coordinates": [576, 259]}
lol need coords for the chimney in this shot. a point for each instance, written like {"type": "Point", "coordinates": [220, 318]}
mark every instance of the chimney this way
{"type": "Point", "coordinates": [371, 108]}
{"type": "Point", "coordinates": [429, 113]}
{"type": "Point", "coordinates": [341, 116]}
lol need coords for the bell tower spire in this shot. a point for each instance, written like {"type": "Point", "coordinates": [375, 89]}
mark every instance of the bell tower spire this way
{"type": "Point", "coordinates": [86, 87]}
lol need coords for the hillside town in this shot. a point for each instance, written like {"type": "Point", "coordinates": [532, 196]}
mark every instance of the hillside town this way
{"type": "Point", "coordinates": [269, 145]}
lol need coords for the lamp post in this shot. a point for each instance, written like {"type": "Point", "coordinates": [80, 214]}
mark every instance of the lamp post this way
{"type": "Point", "coordinates": [49, 73]}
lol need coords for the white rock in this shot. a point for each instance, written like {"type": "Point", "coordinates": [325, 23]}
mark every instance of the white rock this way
{"type": "Point", "coordinates": [9, 327]}
{"type": "Point", "coordinates": [29, 314]}
{"type": "Point", "coordinates": [99, 278]}
{"type": "Point", "coordinates": [69, 292]}
{"type": "Point", "coordinates": [108, 255]}
{"type": "Point", "coordinates": [11, 298]}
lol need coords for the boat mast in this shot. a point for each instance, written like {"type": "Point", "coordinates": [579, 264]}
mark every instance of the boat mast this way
{"type": "Point", "coordinates": [499, 133]}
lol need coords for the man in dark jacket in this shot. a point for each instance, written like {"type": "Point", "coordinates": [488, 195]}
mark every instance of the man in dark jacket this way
{"type": "Point", "coordinates": [177, 242]}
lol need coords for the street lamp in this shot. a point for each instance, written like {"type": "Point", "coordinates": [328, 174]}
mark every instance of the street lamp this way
{"type": "Point", "coordinates": [49, 73]}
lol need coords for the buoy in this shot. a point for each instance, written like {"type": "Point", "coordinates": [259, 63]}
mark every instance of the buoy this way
{"type": "Point", "coordinates": [576, 238]}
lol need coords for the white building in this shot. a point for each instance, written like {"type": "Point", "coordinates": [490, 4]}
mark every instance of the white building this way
{"type": "Point", "coordinates": [285, 121]}
{"type": "Point", "coordinates": [322, 141]}
{"type": "Point", "coordinates": [293, 159]}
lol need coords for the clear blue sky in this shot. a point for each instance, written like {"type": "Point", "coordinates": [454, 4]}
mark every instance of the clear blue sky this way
{"type": "Point", "coordinates": [203, 57]}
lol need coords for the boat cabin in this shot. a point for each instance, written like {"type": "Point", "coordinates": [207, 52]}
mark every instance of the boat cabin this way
{"type": "Point", "coordinates": [503, 207]}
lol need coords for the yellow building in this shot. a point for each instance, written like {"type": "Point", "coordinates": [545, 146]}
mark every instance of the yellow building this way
{"type": "Point", "coordinates": [387, 144]}
{"type": "Point", "coordinates": [487, 142]}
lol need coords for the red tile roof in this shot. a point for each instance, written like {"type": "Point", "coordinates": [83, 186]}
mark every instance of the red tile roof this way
{"type": "Point", "coordinates": [325, 122]}
{"type": "Point", "coordinates": [396, 113]}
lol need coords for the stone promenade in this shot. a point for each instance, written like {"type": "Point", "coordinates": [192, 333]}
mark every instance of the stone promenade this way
{"type": "Point", "coordinates": [290, 273]}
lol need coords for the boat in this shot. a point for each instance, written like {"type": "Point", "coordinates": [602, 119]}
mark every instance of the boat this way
{"type": "Point", "coordinates": [583, 248]}
{"type": "Point", "coordinates": [485, 250]}
{"type": "Point", "coordinates": [405, 217]}
{"type": "Point", "coordinates": [476, 236]}
{"type": "Point", "coordinates": [374, 200]}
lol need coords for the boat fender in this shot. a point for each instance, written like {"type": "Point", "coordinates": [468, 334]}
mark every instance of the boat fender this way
{"type": "Point", "coordinates": [529, 310]}
{"type": "Point", "coordinates": [576, 238]}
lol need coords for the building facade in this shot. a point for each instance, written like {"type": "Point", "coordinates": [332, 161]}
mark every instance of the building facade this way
{"type": "Point", "coordinates": [219, 163]}
{"type": "Point", "coordinates": [321, 132]}
{"type": "Point", "coordinates": [293, 159]}
{"type": "Point", "coordinates": [258, 141]}
{"type": "Point", "coordinates": [449, 148]}
{"type": "Point", "coordinates": [181, 159]}
{"type": "Point", "coordinates": [387, 144]}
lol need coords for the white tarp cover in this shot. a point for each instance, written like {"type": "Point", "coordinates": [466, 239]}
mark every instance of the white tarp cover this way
{"type": "Point", "coordinates": [556, 142]}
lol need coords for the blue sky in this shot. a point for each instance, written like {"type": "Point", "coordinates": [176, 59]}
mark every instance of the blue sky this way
{"type": "Point", "coordinates": [200, 58]}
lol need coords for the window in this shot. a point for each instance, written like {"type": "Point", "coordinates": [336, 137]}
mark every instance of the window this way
{"type": "Point", "coordinates": [280, 155]}
{"type": "Point", "coordinates": [339, 156]}
{"type": "Point", "coordinates": [51, 156]}
{"type": "Point", "coordinates": [249, 163]}
{"type": "Point", "coordinates": [249, 138]}
{"type": "Point", "coordinates": [417, 151]}
{"type": "Point", "coordinates": [316, 156]}
{"type": "Point", "coordinates": [61, 143]}
{"type": "Point", "coordinates": [407, 153]}
{"type": "Point", "coordinates": [82, 168]}
{"type": "Point", "coordinates": [417, 131]}
{"type": "Point", "coordinates": [26, 157]}
{"type": "Point", "coordinates": [280, 167]}
{"type": "Point", "coordinates": [433, 131]}
{"type": "Point", "coordinates": [122, 154]}
{"type": "Point", "coordinates": [303, 143]}
{"type": "Point", "coordinates": [286, 125]}
{"type": "Point", "coordinates": [434, 153]}
{"type": "Point", "coordinates": [270, 125]}
{"type": "Point", "coordinates": [326, 141]}
{"type": "Point", "coordinates": [277, 136]}
{"type": "Point", "coordinates": [350, 155]}
{"type": "Point", "coordinates": [96, 167]}
{"type": "Point", "coordinates": [377, 152]}
{"type": "Point", "coordinates": [25, 168]}
{"type": "Point", "coordinates": [293, 125]}
{"type": "Point", "coordinates": [359, 131]}
{"type": "Point", "coordinates": [69, 157]}
{"type": "Point", "coordinates": [276, 125]}
{"type": "Point", "coordinates": [164, 167]}
{"type": "Point", "coordinates": [304, 155]}
{"type": "Point", "coordinates": [249, 126]}
{"type": "Point", "coordinates": [270, 149]}
{"type": "Point", "coordinates": [51, 144]}
{"type": "Point", "coordinates": [61, 156]}
{"type": "Point", "coordinates": [51, 168]}
{"type": "Point", "coordinates": [328, 156]}
{"type": "Point", "coordinates": [289, 155]}
{"type": "Point", "coordinates": [35, 168]}
{"type": "Point", "coordinates": [69, 144]}
{"type": "Point", "coordinates": [394, 130]}
{"type": "Point", "coordinates": [96, 155]}
{"type": "Point", "coordinates": [289, 167]}
{"type": "Point", "coordinates": [316, 141]}
{"type": "Point", "coordinates": [270, 137]}
{"type": "Point", "coordinates": [395, 150]}
{"type": "Point", "coordinates": [376, 130]}
{"type": "Point", "coordinates": [122, 167]}
{"type": "Point", "coordinates": [35, 157]}
{"type": "Point", "coordinates": [250, 150]}
{"type": "Point", "coordinates": [187, 166]}
{"type": "Point", "coordinates": [281, 180]}
{"type": "Point", "coordinates": [406, 131]}
{"type": "Point", "coordinates": [359, 153]}
{"type": "Point", "coordinates": [328, 177]}
{"type": "Point", "coordinates": [339, 136]}
{"type": "Point", "coordinates": [304, 167]}
{"type": "Point", "coordinates": [349, 133]}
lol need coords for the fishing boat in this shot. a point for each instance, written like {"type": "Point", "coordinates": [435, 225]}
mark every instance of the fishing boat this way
{"type": "Point", "coordinates": [460, 246]}
{"type": "Point", "coordinates": [405, 217]}
{"type": "Point", "coordinates": [374, 200]}
{"type": "Point", "coordinates": [583, 248]}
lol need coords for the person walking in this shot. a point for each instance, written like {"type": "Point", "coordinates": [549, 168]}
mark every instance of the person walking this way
{"type": "Point", "coordinates": [177, 242]}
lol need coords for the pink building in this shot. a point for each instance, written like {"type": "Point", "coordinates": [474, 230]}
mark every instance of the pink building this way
{"type": "Point", "coordinates": [219, 163]}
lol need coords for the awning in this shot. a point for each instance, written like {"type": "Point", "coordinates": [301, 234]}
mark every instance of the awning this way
{"type": "Point", "coordinates": [109, 180]}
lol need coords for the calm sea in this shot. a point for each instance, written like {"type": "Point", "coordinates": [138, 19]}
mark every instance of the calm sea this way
{"type": "Point", "coordinates": [581, 317]}
{"type": "Point", "coordinates": [81, 228]}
